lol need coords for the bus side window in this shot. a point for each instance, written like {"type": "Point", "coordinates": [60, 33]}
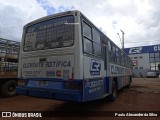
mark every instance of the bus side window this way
{"type": "Point", "coordinates": [105, 56]}
{"type": "Point", "coordinates": [109, 51]}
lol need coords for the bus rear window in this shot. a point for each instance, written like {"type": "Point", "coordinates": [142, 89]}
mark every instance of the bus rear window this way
{"type": "Point", "coordinates": [53, 33]}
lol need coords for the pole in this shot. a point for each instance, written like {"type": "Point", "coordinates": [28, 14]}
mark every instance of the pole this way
{"type": "Point", "coordinates": [122, 39]}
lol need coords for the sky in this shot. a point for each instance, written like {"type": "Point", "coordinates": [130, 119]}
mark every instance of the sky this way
{"type": "Point", "coordinates": [139, 19]}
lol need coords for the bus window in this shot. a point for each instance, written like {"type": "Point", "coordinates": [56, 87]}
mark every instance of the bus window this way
{"type": "Point", "coordinates": [109, 46]}
{"type": "Point", "coordinates": [114, 54]}
{"type": "Point", "coordinates": [96, 36]}
{"type": "Point", "coordinates": [87, 46]}
{"type": "Point", "coordinates": [54, 33]}
{"type": "Point", "coordinates": [97, 42]}
{"type": "Point", "coordinates": [122, 59]}
{"type": "Point", "coordinates": [113, 49]}
{"type": "Point", "coordinates": [87, 30]}
{"type": "Point", "coordinates": [105, 56]}
{"type": "Point", "coordinates": [109, 50]}
{"type": "Point", "coordinates": [97, 49]}
{"type": "Point", "coordinates": [91, 39]}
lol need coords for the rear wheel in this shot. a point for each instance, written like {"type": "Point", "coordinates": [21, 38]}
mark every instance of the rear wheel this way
{"type": "Point", "coordinates": [114, 91]}
{"type": "Point", "coordinates": [9, 88]}
{"type": "Point", "coordinates": [130, 81]}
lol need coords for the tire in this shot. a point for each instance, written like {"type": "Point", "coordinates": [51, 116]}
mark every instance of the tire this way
{"type": "Point", "coordinates": [128, 86]}
{"type": "Point", "coordinates": [9, 88]}
{"type": "Point", "coordinates": [114, 92]}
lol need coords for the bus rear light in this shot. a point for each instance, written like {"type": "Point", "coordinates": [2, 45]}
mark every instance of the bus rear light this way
{"type": "Point", "coordinates": [72, 85]}
{"type": "Point", "coordinates": [58, 73]}
{"type": "Point", "coordinates": [72, 76]}
{"type": "Point", "coordinates": [21, 82]}
{"type": "Point", "coordinates": [85, 81]}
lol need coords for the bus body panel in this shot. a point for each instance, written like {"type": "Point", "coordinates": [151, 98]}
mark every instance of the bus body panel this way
{"type": "Point", "coordinates": [93, 67]}
{"type": "Point", "coordinates": [48, 67]}
{"type": "Point", "coordinates": [96, 84]}
{"type": "Point", "coordinates": [96, 88]}
{"type": "Point", "coordinates": [122, 74]}
{"type": "Point", "coordinates": [78, 72]}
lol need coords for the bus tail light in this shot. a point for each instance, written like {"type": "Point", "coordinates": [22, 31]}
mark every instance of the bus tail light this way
{"type": "Point", "coordinates": [72, 85]}
{"type": "Point", "coordinates": [21, 82]}
{"type": "Point", "coordinates": [72, 74]}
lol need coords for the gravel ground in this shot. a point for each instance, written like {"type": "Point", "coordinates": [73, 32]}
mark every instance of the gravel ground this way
{"type": "Point", "coordinates": [143, 95]}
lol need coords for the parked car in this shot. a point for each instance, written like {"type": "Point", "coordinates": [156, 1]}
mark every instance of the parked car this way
{"type": "Point", "coordinates": [152, 73]}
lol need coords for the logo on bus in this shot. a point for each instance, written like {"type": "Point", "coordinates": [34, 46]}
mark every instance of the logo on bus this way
{"type": "Point", "coordinates": [95, 67]}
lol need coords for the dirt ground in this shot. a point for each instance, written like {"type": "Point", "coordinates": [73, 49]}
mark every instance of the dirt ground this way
{"type": "Point", "coordinates": [142, 96]}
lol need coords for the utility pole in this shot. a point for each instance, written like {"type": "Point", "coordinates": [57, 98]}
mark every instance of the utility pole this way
{"type": "Point", "coordinates": [122, 39]}
{"type": "Point", "coordinates": [119, 38]}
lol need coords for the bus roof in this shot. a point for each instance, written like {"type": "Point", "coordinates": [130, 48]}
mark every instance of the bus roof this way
{"type": "Point", "coordinates": [51, 16]}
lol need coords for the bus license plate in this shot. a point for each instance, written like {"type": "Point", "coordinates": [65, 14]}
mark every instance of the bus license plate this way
{"type": "Point", "coordinates": [42, 83]}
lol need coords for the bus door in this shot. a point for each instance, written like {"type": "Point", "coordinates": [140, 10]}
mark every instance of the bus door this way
{"type": "Point", "coordinates": [106, 79]}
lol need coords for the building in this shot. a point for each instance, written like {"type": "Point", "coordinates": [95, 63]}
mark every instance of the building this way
{"type": "Point", "coordinates": [144, 58]}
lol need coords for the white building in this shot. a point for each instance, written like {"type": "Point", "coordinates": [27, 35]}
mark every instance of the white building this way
{"type": "Point", "coordinates": [144, 58]}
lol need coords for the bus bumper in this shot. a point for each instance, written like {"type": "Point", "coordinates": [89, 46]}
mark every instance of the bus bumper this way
{"type": "Point", "coordinates": [67, 95]}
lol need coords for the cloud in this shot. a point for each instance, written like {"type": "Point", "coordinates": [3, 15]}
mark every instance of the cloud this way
{"type": "Point", "coordinates": [51, 9]}
{"type": "Point", "coordinates": [139, 19]}
{"type": "Point", "coordinates": [47, 6]}
{"type": "Point", "coordinates": [10, 22]}
{"type": "Point", "coordinates": [147, 25]}
{"type": "Point", "coordinates": [63, 8]}
{"type": "Point", "coordinates": [15, 14]}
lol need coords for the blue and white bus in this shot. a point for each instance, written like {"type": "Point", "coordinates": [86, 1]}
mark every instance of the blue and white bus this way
{"type": "Point", "coordinates": [66, 57]}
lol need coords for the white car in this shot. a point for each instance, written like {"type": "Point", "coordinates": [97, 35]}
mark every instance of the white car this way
{"type": "Point", "coordinates": [152, 73]}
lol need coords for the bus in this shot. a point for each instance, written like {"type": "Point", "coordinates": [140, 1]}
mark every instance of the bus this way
{"type": "Point", "coordinates": [66, 57]}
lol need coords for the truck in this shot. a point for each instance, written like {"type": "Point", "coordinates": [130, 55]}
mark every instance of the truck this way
{"type": "Point", "coordinates": [9, 52]}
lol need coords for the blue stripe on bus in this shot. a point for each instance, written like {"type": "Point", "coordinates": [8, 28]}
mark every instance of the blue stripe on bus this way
{"type": "Point", "coordinates": [50, 79]}
{"type": "Point", "coordinates": [95, 89]}
{"type": "Point", "coordinates": [68, 95]}
{"type": "Point", "coordinates": [92, 89]}
{"type": "Point", "coordinates": [106, 85]}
